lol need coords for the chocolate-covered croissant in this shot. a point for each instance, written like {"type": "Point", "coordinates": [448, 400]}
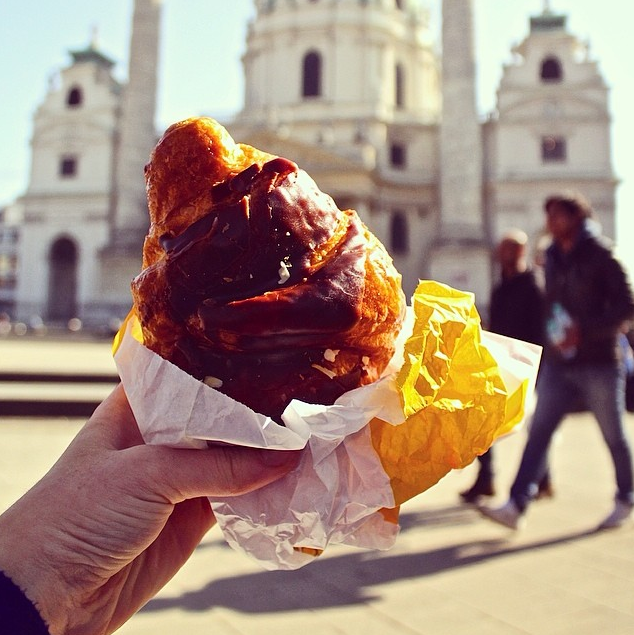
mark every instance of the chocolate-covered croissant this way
{"type": "Point", "coordinates": [254, 281]}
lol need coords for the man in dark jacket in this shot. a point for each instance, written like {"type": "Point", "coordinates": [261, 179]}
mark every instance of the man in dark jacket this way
{"type": "Point", "coordinates": [588, 302]}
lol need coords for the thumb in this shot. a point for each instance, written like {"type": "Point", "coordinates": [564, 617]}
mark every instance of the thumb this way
{"type": "Point", "coordinates": [218, 471]}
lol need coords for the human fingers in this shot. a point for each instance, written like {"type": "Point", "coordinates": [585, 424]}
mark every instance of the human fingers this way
{"type": "Point", "coordinates": [175, 474]}
{"type": "Point", "coordinates": [222, 470]}
{"type": "Point", "coordinates": [113, 422]}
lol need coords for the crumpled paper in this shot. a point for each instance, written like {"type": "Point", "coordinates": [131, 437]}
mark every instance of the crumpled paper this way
{"type": "Point", "coordinates": [449, 392]}
{"type": "Point", "coordinates": [462, 388]}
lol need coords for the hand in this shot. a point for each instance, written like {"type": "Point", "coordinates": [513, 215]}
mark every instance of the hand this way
{"type": "Point", "coordinates": [570, 342]}
{"type": "Point", "coordinates": [115, 519]}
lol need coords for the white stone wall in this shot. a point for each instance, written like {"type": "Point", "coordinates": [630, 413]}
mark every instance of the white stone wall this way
{"type": "Point", "coordinates": [90, 235]}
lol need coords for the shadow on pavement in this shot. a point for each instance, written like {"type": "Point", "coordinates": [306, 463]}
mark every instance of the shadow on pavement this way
{"type": "Point", "coordinates": [348, 580]}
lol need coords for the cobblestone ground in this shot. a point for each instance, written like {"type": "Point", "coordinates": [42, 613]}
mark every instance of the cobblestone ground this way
{"type": "Point", "coordinates": [451, 572]}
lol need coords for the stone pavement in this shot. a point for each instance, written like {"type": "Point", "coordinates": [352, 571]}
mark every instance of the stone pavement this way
{"type": "Point", "coordinates": [52, 376]}
{"type": "Point", "coordinates": [450, 572]}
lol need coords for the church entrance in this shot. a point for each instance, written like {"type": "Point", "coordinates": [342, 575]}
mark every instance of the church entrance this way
{"type": "Point", "coordinates": [62, 284]}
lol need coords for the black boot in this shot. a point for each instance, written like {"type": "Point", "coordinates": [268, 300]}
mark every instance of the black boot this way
{"type": "Point", "coordinates": [482, 487]}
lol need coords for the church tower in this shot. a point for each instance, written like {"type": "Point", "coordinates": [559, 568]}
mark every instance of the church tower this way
{"type": "Point", "coordinates": [85, 212]}
{"type": "Point", "coordinates": [553, 103]}
{"type": "Point", "coordinates": [67, 201]}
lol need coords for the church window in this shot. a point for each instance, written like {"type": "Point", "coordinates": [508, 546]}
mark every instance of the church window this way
{"type": "Point", "coordinates": [399, 96]}
{"type": "Point", "coordinates": [553, 149]}
{"type": "Point", "coordinates": [68, 166]}
{"type": "Point", "coordinates": [551, 70]}
{"type": "Point", "coordinates": [74, 97]}
{"type": "Point", "coordinates": [399, 233]}
{"type": "Point", "coordinates": [62, 283]}
{"type": "Point", "coordinates": [398, 155]}
{"type": "Point", "coordinates": [311, 75]}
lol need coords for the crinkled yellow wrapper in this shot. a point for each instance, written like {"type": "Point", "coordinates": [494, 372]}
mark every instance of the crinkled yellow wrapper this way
{"type": "Point", "coordinates": [449, 392]}
{"type": "Point", "coordinates": [454, 397]}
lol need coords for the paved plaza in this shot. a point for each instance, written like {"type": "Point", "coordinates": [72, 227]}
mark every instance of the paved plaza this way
{"type": "Point", "coordinates": [451, 572]}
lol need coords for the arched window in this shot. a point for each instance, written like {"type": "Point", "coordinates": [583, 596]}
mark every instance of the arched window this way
{"type": "Point", "coordinates": [311, 75]}
{"type": "Point", "coordinates": [62, 282]}
{"type": "Point", "coordinates": [398, 156]}
{"type": "Point", "coordinates": [399, 233]}
{"type": "Point", "coordinates": [68, 165]}
{"type": "Point", "coordinates": [74, 97]}
{"type": "Point", "coordinates": [551, 70]}
{"type": "Point", "coordinates": [553, 149]}
{"type": "Point", "coordinates": [399, 86]}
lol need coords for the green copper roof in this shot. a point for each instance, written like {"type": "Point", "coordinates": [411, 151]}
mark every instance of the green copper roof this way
{"type": "Point", "coordinates": [91, 54]}
{"type": "Point", "coordinates": [548, 21]}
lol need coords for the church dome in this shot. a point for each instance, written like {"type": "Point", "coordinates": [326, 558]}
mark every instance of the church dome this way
{"type": "Point", "coordinates": [411, 7]}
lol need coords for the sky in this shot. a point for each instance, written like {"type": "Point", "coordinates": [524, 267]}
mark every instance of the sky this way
{"type": "Point", "coordinates": [201, 72]}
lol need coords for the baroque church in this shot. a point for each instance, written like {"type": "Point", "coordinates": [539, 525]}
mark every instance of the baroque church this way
{"type": "Point", "coordinates": [368, 105]}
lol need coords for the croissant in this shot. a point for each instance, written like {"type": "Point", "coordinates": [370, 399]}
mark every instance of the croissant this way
{"type": "Point", "coordinates": [254, 281]}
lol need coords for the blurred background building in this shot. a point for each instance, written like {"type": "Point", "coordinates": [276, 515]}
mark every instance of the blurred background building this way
{"type": "Point", "coordinates": [359, 94]}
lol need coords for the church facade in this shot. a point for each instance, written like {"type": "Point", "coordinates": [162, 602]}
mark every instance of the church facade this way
{"type": "Point", "coordinates": [355, 92]}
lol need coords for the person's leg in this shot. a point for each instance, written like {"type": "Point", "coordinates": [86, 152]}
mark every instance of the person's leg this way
{"type": "Point", "coordinates": [486, 466]}
{"type": "Point", "coordinates": [605, 389]}
{"type": "Point", "coordinates": [483, 485]}
{"type": "Point", "coordinates": [545, 487]}
{"type": "Point", "coordinates": [550, 409]}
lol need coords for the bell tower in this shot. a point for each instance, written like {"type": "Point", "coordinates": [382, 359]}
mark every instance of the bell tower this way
{"type": "Point", "coordinates": [67, 201]}
{"type": "Point", "coordinates": [554, 103]}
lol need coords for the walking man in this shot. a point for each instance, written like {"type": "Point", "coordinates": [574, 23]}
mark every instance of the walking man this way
{"type": "Point", "coordinates": [588, 300]}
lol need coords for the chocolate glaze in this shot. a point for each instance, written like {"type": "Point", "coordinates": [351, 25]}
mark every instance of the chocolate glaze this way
{"type": "Point", "coordinates": [244, 317]}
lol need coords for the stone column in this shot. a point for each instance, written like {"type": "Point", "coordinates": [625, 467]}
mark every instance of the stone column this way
{"type": "Point", "coordinates": [121, 260]}
{"type": "Point", "coordinates": [460, 136]}
{"type": "Point", "coordinates": [137, 132]}
{"type": "Point", "coordinates": [460, 255]}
